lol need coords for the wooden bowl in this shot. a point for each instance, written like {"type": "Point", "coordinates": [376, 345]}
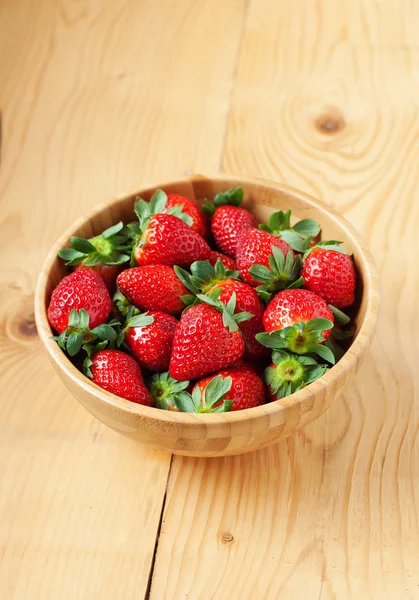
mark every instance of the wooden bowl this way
{"type": "Point", "coordinates": [228, 433]}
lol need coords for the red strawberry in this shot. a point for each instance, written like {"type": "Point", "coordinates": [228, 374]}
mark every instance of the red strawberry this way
{"type": "Point", "coordinates": [81, 289]}
{"type": "Point", "coordinates": [228, 262]}
{"type": "Point", "coordinates": [118, 373]}
{"type": "Point", "coordinates": [168, 241]}
{"type": "Point", "coordinates": [330, 272]}
{"type": "Point", "coordinates": [247, 390]}
{"type": "Point", "coordinates": [228, 219]}
{"type": "Point", "coordinates": [188, 207]}
{"type": "Point", "coordinates": [206, 339]}
{"type": "Point", "coordinates": [295, 306]}
{"type": "Point", "coordinates": [256, 367]}
{"type": "Point", "coordinates": [206, 279]}
{"type": "Point", "coordinates": [103, 253]}
{"type": "Point", "coordinates": [150, 337]}
{"type": "Point", "coordinates": [255, 249]}
{"type": "Point", "coordinates": [164, 239]}
{"type": "Point", "coordinates": [300, 321]}
{"type": "Point", "coordinates": [153, 287]}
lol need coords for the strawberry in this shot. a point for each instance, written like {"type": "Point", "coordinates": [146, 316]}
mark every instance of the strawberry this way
{"type": "Point", "coordinates": [211, 399]}
{"type": "Point", "coordinates": [81, 289]}
{"type": "Point", "coordinates": [228, 262]}
{"type": "Point", "coordinates": [167, 392]}
{"type": "Point", "coordinates": [329, 271]}
{"type": "Point", "coordinates": [265, 258]}
{"type": "Point", "coordinates": [289, 373]}
{"type": "Point", "coordinates": [246, 391]}
{"type": "Point", "coordinates": [228, 220]}
{"type": "Point", "coordinates": [206, 279]}
{"type": "Point", "coordinates": [299, 237]}
{"type": "Point", "coordinates": [153, 287]}
{"type": "Point", "coordinates": [103, 253]}
{"type": "Point", "coordinates": [149, 337]}
{"type": "Point", "coordinates": [295, 306]}
{"type": "Point", "coordinates": [164, 239]}
{"type": "Point", "coordinates": [188, 207]}
{"type": "Point", "coordinates": [206, 339]}
{"type": "Point", "coordinates": [118, 373]}
{"type": "Point", "coordinates": [300, 321]}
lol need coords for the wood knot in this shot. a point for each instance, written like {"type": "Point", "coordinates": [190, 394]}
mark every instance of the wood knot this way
{"type": "Point", "coordinates": [330, 123]}
{"type": "Point", "coordinates": [227, 538]}
{"type": "Point", "coordinates": [27, 326]}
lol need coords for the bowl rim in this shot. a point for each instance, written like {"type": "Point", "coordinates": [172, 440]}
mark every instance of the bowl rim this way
{"type": "Point", "coordinates": [349, 360]}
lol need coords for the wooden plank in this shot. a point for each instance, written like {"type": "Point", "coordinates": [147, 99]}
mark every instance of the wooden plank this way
{"type": "Point", "coordinates": [96, 97]}
{"type": "Point", "coordinates": [325, 100]}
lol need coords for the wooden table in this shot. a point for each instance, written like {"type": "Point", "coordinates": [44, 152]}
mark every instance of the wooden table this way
{"type": "Point", "coordinates": [98, 97]}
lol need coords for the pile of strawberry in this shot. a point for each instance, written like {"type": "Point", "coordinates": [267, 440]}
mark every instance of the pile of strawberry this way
{"type": "Point", "coordinates": [219, 313]}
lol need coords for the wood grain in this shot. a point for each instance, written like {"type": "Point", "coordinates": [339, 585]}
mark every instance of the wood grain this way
{"type": "Point", "coordinates": [325, 99]}
{"type": "Point", "coordinates": [96, 97]}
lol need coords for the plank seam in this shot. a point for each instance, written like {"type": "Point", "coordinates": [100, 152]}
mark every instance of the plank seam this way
{"type": "Point", "coordinates": [156, 544]}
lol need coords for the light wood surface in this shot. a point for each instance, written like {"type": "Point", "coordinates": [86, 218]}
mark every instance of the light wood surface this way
{"type": "Point", "coordinates": [234, 432]}
{"type": "Point", "coordinates": [98, 97]}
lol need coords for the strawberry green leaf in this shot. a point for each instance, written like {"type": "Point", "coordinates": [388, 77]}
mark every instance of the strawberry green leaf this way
{"type": "Point", "coordinates": [184, 402]}
{"type": "Point", "coordinates": [74, 319]}
{"type": "Point", "coordinates": [323, 351]}
{"type": "Point", "coordinates": [104, 332]}
{"type": "Point", "coordinates": [158, 202]}
{"type": "Point", "coordinates": [340, 317]}
{"type": "Point", "coordinates": [83, 319]}
{"type": "Point", "coordinates": [69, 254]}
{"type": "Point", "coordinates": [226, 406]}
{"type": "Point", "coordinates": [272, 340]}
{"type": "Point", "coordinates": [186, 278]}
{"type": "Point", "coordinates": [318, 325]}
{"type": "Point", "coordinates": [297, 284]}
{"type": "Point", "coordinates": [82, 245]}
{"type": "Point", "coordinates": [74, 343]}
{"type": "Point", "coordinates": [177, 211]}
{"type": "Point", "coordinates": [216, 389]}
{"type": "Point", "coordinates": [141, 320]}
{"type": "Point", "coordinates": [233, 197]}
{"type": "Point", "coordinates": [111, 231]}
{"type": "Point", "coordinates": [307, 227]}
{"type": "Point", "coordinates": [341, 334]}
{"type": "Point", "coordinates": [243, 316]}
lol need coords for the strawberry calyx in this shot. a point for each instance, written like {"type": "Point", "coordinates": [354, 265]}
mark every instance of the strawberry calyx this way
{"type": "Point", "coordinates": [209, 400]}
{"type": "Point", "coordinates": [291, 372]}
{"type": "Point", "coordinates": [122, 303]}
{"type": "Point", "coordinates": [230, 320]}
{"type": "Point", "coordinates": [326, 245]}
{"type": "Point", "coordinates": [231, 197]}
{"type": "Point", "coordinates": [299, 236]}
{"type": "Point", "coordinates": [282, 273]}
{"type": "Point", "coordinates": [144, 211]}
{"type": "Point", "coordinates": [78, 335]}
{"type": "Point", "coordinates": [300, 338]}
{"type": "Point", "coordinates": [203, 276]}
{"type": "Point", "coordinates": [168, 392]}
{"type": "Point", "coordinates": [108, 248]}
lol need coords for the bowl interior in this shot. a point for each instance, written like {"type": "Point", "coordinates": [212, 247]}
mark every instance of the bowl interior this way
{"type": "Point", "coordinates": [262, 199]}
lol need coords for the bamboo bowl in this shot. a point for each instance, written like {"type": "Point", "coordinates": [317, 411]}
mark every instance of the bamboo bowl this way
{"type": "Point", "coordinates": [235, 432]}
